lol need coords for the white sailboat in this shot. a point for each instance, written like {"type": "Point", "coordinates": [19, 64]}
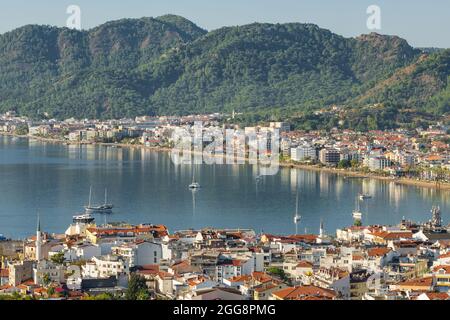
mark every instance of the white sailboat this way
{"type": "Point", "coordinates": [357, 214]}
{"type": "Point", "coordinates": [99, 209]}
{"type": "Point", "coordinates": [297, 217]}
{"type": "Point", "coordinates": [194, 185]}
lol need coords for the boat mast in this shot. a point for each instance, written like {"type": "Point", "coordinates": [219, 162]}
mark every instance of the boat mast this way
{"type": "Point", "coordinates": [90, 196]}
{"type": "Point", "coordinates": [106, 196]}
{"type": "Point", "coordinates": [296, 217]}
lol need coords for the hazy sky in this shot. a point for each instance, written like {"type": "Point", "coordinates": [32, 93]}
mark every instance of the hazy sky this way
{"type": "Point", "coordinates": [422, 23]}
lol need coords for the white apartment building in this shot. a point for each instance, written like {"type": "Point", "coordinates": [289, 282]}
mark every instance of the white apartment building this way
{"type": "Point", "coordinates": [45, 268]}
{"type": "Point", "coordinates": [105, 267]}
{"type": "Point", "coordinates": [303, 152]}
{"type": "Point", "coordinates": [139, 253]}
{"type": "Point", "coordinates": [378, 163]}
{"type": "Point", "coordinates": [238, 267]}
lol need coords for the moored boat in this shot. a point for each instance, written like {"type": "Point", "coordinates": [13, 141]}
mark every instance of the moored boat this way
{"type": "Point", "coordinates": [83, 218]}
{"type": "Point", "coordinates": [364, 196]}
{"type": "Point", "coordinates": [357, 214]}
{"type": "Point", "coordinates": [194, 184]}
{"type": "Point", "coordinates": [99, 209]}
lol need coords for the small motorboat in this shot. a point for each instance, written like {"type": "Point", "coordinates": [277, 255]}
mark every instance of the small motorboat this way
{"type": "Point", "coordinates": [83, 218]}
{"type": "Point", "coordinates": [365, 196]}
{"type": "Point", "coordinates": [357, 215]}
{"type": "Point", "coordinates": [194, 185]}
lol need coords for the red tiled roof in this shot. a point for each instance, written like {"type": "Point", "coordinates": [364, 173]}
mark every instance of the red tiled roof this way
{"type": "Point", "coordinates": [6, 286]}
{"type": "Point", "coordinates": [261, 277]}
{"type": "Point", "coordinates": [29, 282]}
{"type": "Point", "coordinates": [241, 278]}
{"type": "Point", "coordinates": [133, 229]}
{"type": "Point", "coordinates": [446, 268]}
{"type": "Point", "coordinates": [378, 252]}
{"type": "Point", "coordinates": [163, 275]}
{"type": "Point", "coordinates": [445, 255]}
{"type": "Point", "coordinates": [438, 295]}
{"type": "Point", "coordinates": [304, 264]}
{"type": "Point", "coordinates": [418, 282]}
{"type": "Point", "coordinates": [387, 235]}
{"type": "Point", "coordinates": [149, 269]}
{"type": "Point", "coordinates": [266, 287]}
{"type": "Point", "coordinates": [305, 292]}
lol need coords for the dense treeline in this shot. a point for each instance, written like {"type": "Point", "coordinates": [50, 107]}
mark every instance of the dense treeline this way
{"type": "Point", "coordinates": [168, 65]}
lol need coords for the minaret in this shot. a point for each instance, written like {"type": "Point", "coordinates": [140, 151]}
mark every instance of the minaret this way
{"type": "Point", "coordinates": [321, 232]}
{"type": "Point", "coordinates": [38, 241]}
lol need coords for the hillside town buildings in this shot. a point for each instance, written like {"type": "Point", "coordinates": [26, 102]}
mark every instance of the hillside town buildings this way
{"type": "Point", "coordinates": [423, 153]}
{"type": "Point", "coordinates": [356, 263]}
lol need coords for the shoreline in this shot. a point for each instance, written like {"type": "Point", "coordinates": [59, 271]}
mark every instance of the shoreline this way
{"type": "Point", "coordinates": [282, 164]}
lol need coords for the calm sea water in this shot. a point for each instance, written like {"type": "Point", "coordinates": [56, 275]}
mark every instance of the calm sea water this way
{"type": "Point", "coordinates": [146, 187]}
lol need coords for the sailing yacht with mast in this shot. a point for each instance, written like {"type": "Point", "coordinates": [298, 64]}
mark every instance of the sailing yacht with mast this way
{"type": "Point", "coordinates": [357, 214]}
{"type": "Point", "coordinates": [194, 185]}
{"type": "Point", "coordinates": [99, 209]}
{"type": "Point", "coordinates": [297, 217]}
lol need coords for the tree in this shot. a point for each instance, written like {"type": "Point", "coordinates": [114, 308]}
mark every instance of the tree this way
{"type": "Point", "coordinates": [357, 223]}
{"type": "Point", "coordinates": [46, 279]}
{"type": "Point", "coordinates": [22, 130]}
{"type": "Point", "coordinates": [344, 164]}
{"type": "Point", "coordinates": [137, 288]}
{"type": "Point", "coordinates": [51, 291]}
{"type": "Point", "coordinates": [58, 258]}
{"type": "Point", "coordinates": [279, 273]}
{"type": "Point", "coordinates": [101, 297]}
{"type": "Point", "coordinates": [354, 163]}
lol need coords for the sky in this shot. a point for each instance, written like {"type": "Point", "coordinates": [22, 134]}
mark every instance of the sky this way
{"type": "Point", "coordinates": [422, 23]}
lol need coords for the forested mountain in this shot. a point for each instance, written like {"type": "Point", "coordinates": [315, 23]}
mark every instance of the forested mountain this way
{"type": "Point", "coordinates": [168, 65]}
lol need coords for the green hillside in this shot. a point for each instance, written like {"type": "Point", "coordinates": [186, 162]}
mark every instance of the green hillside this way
{"type": "Point", "coordinates": [168, 65]}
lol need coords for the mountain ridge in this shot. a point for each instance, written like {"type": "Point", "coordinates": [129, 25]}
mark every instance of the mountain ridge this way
{"type": "Point", "coordinates": [169, 65]}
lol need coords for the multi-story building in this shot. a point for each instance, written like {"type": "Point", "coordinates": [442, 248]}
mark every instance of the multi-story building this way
{"type": "Point", "coordinates": [282, 126]}
{"type": "Point", "coordinates": [106, 266]}
{"type": "Point", "coordinates": [303, 153]}
{"type": "Point", "coordinates": [329, 156]}
{"type": "Point", "coordinates": [378, 163]}
{"type": "Point", "coordinates": [20, 271]}
{"type": "Point", "coordinates": [139, 253]}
